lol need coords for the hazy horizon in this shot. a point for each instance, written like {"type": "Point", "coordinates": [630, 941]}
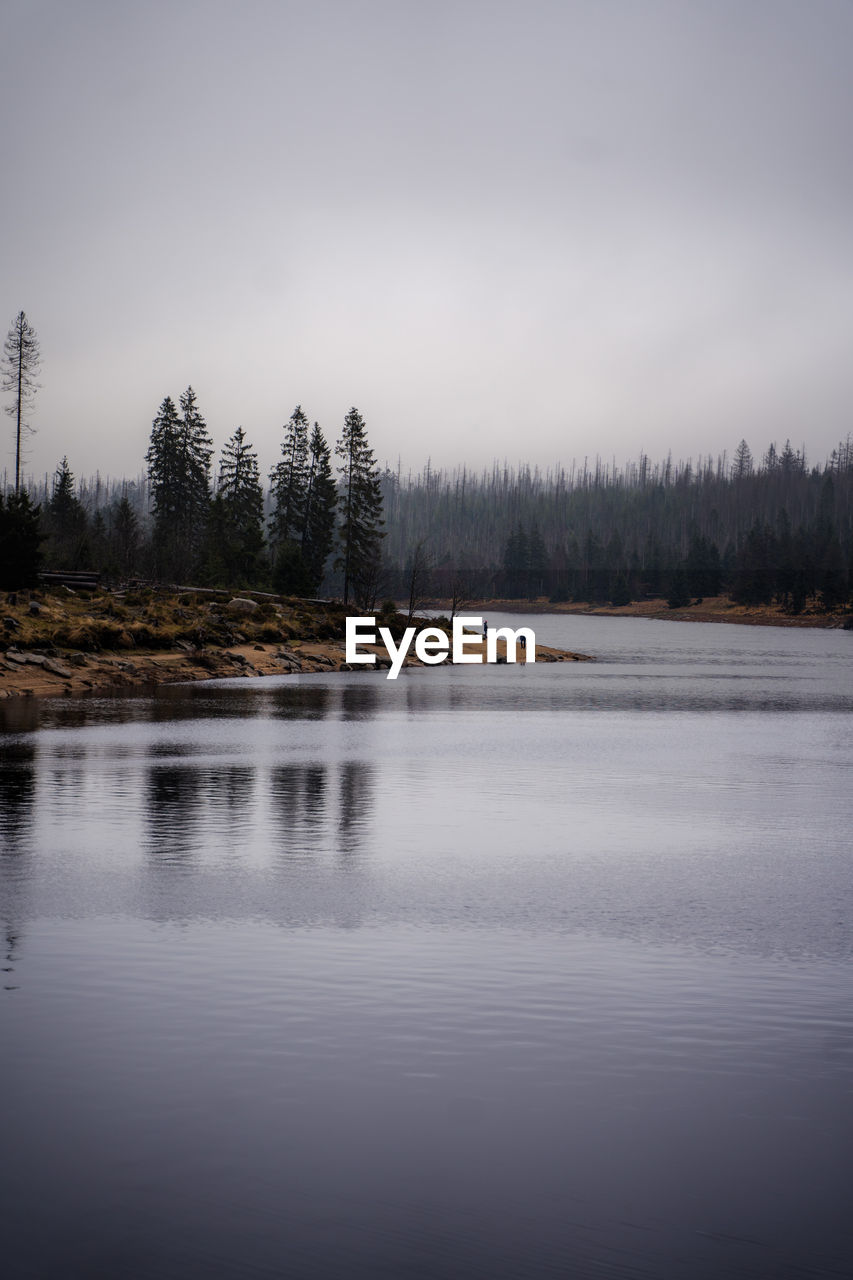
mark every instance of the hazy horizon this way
{"type": "Point", "coordinates": [581, 229]}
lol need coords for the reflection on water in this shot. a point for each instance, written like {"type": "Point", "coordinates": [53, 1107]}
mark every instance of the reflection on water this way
{"type": "Point", "coordinates": [505, 972]}
{"type": "Point", "coordinates": [17, 790]}
{"type": "Point", "coordinates": [300, 803]}
{"type": "Point", "coordinates": [356, 782]}
{"type": "Point", "coordinates": [172, 804]}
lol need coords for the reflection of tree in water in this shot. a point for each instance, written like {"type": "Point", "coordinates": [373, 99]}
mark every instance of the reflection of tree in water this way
{"type": "Point", "coordinates": [360, 701]}
{"type": "Point", "coordinates": [230, 788]}
{"type": "Point", "coordinates": [176, 702]}
{"type": "Point", "coordinates": [299, 702]}
{"type": "Point", "coordinates": [173, 805]}
{"type": "Point", "coordinates": [10, 944]}
{"type": "Point", "coordinates": [356, 804]}
{"type": "Point", "coordinates": [299, 795]}
{"type": "Point", "coordinates": [17, 808]}
{"type": "Point", "coordinates": [17, 794]}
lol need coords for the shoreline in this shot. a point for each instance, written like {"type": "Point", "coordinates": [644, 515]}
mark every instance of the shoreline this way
{"type": "Point", "coordinates": [711, 609]}
{"type": "Point", "coordinates": [56, 646]}
{"type": "Point", "coordinates": [38, 675]}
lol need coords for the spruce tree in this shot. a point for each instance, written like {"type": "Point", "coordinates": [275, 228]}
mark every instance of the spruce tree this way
{"type": "Point", "coordinates": [360, 508]}
{"type": "Point", "coordinates": [321, 495]}
{"type": "Point", "coordinates": [123, 536]}
{"type": "Point", "coordinates": [178, 471]}
{"type": "Point", "coordinates": [289, 481]}
{"type": "Point", "coordinates": [66, 521]}
{"type": "Point", "coordinates": [20, 542]}
{"type": "Point", "coordinates": [239, 507]}
{"type": "Point", "coordinates": [742, 464]}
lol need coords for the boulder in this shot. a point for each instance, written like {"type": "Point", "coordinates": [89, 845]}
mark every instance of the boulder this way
{"type": "Point", "coordinates": [241, 605]}
{"type": "Point", "coordinates": [57, 668]}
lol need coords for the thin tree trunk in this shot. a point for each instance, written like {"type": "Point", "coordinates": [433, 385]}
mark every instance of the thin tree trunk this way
{"type": "Point", "coordinates": [18, 435]}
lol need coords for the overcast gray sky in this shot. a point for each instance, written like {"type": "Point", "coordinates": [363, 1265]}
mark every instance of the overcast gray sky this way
{"type": "Point", "coordinates": [529, 231]}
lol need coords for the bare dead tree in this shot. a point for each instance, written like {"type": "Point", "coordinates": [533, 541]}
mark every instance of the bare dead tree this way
{"type": "Point", "coordinates": [458, 595]}
{"type": "Point", "coordinates": [419, 573]}
{"type": "Point", "coordinates": [18, 370]}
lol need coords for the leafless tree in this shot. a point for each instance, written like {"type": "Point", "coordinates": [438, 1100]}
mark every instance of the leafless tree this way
{"type": "Point", "coordinates": [419, 573]}
{"type": "Point", "coordinates": [18, 369]}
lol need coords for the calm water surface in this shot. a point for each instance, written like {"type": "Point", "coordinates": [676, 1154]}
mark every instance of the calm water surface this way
{"type": "Point", "coordinates": [485, 972]}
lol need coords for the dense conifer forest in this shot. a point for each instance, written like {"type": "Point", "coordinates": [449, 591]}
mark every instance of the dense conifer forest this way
{"type": "Point", "coordinates": [775, 530]}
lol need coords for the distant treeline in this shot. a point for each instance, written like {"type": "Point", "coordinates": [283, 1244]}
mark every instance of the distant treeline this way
{"type": "Point", "coordinates": [774, 529]}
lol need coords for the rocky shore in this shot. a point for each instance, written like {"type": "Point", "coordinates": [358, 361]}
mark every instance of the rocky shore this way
{"type": "Point", "coordinates": [66, 643]}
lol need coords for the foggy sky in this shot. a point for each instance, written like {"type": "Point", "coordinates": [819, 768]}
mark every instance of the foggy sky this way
{"type": "Point", "coordinates": [539, 231]}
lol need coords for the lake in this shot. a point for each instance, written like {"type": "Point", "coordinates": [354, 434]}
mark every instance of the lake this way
{"type": "Point", "coordinates": [482, 972]}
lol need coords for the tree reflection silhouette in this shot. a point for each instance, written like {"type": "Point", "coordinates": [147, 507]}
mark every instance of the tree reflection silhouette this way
{"type": "Point", "coordinates": [300, 799]}
{"type": "Point", "coordinates": [356, 805]}
{"type": "Point", "coordinates": [173, 805]}
{"type": "Point", "coordinates": [360, 701]}
{"type": "Point", "coordinates": [17, 809]}
{"type": "Point", "coordinates": [17, 794]}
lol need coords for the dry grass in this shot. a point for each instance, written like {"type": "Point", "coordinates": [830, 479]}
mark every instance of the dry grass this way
{"type": "Point", "coordinates": [152, 620]}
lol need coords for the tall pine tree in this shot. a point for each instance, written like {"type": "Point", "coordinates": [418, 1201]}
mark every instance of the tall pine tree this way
{"type": "Point", "coordinates": [238, 524]}
{"type": "Point", "coordinates": [360, 510]}
{"type": "Point", "coordinates": [321, 497]}
{"type": "Point", "coordinates": [179, 474]}
{"type": "Point", "coordinates": [289, 480]}
{"type": "Point", "coordinates": [67, 523]}
{"type": "Point", "coordinates": [20, 542]}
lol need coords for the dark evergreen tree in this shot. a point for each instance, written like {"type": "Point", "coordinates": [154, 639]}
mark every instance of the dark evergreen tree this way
{"type": "Point", "coordinates": [100, 551]}
{"type": "Point", "coordinates": [832, 574]}
{"type": "Point", "coordinates": [679, 592]}
{"type": "Point", "coordinates": [702, 567]}
{"type": "Point", "coordinates": [360, 508]}
{"type": "Point", "coordinates": [237, 523]}
{"type": "Point", "coordinates": [18, 369]}
{"type": "Point", "coordinates": [755, 579]}
{"type": "Point", "coordinates": [124, 536]}
{"type": "Point", "coordinates": [620, 591]}
{"type": "Point", "coordinates": [67, 525]}
{"type": "Point", "coordinates": [742, 462]}
{"type": "Point", "coordinates": [516, 561]}
{"type": "Point", "coordinates": [321, 497]}
{"type": "Point", "coordinates": [290, 573]}
{"type": "Point", "coordinates": [20, 542]}
{"type": "Point", "coordinates": [537, 562]}
{"type": "Point", "coordinates": [289, 482]}
{"type": "Point", "coordinates": [785, 568]}
{"type": "Point", "coordinates": [179, 475]}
